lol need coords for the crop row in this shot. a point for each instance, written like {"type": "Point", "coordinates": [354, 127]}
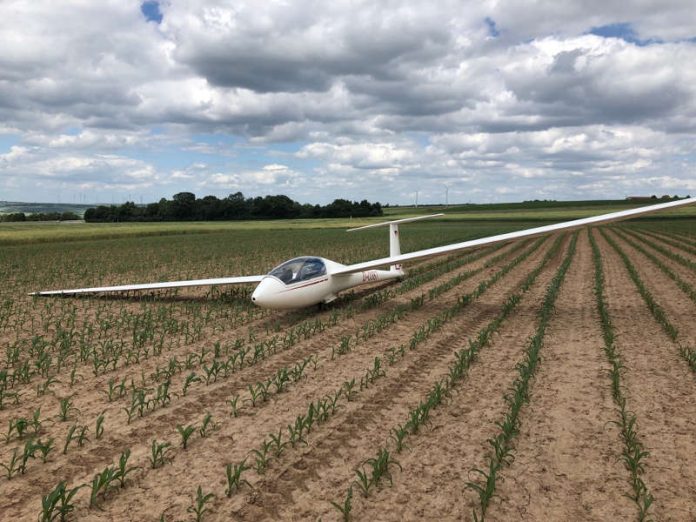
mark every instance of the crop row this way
{"type": "Point", "coordinates": [633, 453]}
{"type": "Point", "coordinates": [501, 444]}
{"type": "Point", "coordinates": [681, 245]}
{"type": "Point", "coordinates": [671, 254]}
{"type": "Point", "coordinates": [655, 308]}
{"type": "Point", "coordinates": [378, 467]}
{"type": "Point", "coordinates": [375, 326]}
{"type": "Point", "coordinates": [683, 285]}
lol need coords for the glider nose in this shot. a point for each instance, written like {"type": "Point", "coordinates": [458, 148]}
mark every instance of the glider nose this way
{"type": "Point", "coordinates": [265, 292]}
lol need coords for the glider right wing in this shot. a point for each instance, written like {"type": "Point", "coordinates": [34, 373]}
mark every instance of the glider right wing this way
{"type": "Point", "coordinates": [431, 252]}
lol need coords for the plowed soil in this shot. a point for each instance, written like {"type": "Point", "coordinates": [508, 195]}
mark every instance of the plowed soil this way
{"type": "Point", "coordinates": [566, 461]}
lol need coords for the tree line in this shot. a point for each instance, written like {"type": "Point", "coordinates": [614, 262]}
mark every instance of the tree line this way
{"type": "Point", "coordinates": [185, 206]}
{"type": "Point", "coordinates": [38, 216]}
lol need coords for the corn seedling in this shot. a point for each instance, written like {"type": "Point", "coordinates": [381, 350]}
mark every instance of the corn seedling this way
{"type": "Point", "coordinates": [69, 438]}
{"type": "Point", "coordinates": [100, 484]}
{"type": "Point", "coordinates": [348, 389]}
{"type": "Point", "coordinates": [254, 394]}
{"type": "Point", "coordinates": [262, 457]}
{"type": "Point", "coordinates": [207, 426]}
{"type": "Point", "coordinates": [28, 453]}
{"type": "Point", "coordinates": [190, 379]}
{"type": "Point", "coordinates": [19, 426]}
{"type": "Point", "coordinates": [58, 503]}
{"type": "Point", "coordinates": [296, 431]}
{"type": "Point", "coordinates": [380, 466]}
{"type": "Point", "coordinates": [364, 481]}
{"type": "Point", "coordinates": [346, 507]}
{"type": "Point", "coordinates": [66, 409]}
{"type": "Point", "coordinates": [280, 379]}
{"type": "Point", "coordinates": [198, 508]}
{"type": "Point", "coordinates": [82, 436]}
{"type": "Point", "coordinates": [234, 477]}
{"type": "Point", "coordinates": [233, 404]}
{"type": "Point", "coordinates": [398, 435]}
{"type": "Point", "coordinates": [263, 390]}
{"type": "Point", "coordinates": [158, 454]}
{"type": "Point", "coordinates": [163, 397]}
{"type": "Point", "coordinates": [123, 469]}
{"type": "Point", "coordinates": [44, 387]}
{"type": "Point", "coordinates": [277, 443]}
{"type": "Point", "coordinates": [131, 412]}
{"type": "Point", "coordinates": [13, 466]}
{"type": "Point", "coordinates": [485, 491]}
{"type": "Point", "coordinates": [99, 429]}
{"type": "Point", "coordinates": [332, 400]}
{"type": "Point", "coordinates": [185, 433]}
{"type": "Point", "coordinates": [44, 448]}
{"type": "Point", "coordinates": [36, 421]}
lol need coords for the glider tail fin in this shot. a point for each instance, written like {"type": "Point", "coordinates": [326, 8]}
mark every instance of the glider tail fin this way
{"type": "Point", "coordinates": [394, 240]}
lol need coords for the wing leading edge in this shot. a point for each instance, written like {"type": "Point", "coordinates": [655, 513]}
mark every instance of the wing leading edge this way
{"type": "Point", "coordinates": [156, 286]}
{"type": "Point", "coordinates": [431, 252]}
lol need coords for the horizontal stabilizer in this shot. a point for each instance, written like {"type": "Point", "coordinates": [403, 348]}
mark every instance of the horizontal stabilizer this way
{"type": "Point", "coordinates": [156, 286]}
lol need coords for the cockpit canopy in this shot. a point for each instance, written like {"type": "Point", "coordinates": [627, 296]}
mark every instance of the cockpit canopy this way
{"type": "Point", "coordinates": [299, 269]}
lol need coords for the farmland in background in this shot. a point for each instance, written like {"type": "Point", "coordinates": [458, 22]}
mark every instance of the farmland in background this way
{"type": "Point", "coordinates": [545, 379]}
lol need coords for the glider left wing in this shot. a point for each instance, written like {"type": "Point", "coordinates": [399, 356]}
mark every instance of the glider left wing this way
{"type": "Point", "coordinates": [156, 286]}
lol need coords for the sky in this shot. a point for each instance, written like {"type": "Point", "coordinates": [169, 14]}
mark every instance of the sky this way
{"type": "Point", "coordinates": [473, 101]}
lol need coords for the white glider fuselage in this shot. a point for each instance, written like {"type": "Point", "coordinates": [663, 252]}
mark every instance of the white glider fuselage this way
{"type": "Point", "coordinates": [306, 288]}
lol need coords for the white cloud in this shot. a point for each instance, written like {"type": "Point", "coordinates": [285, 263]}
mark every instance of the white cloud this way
{"type": "Point", "coordinates": [399, 91]}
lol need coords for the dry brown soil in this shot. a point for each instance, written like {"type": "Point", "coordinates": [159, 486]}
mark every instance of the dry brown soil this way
{"type": "Point", "coordinates": [566, 456]}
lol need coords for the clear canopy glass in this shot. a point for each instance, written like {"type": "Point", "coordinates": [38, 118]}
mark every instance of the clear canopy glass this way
{"type": "Point", "coordinates": [299, 269]}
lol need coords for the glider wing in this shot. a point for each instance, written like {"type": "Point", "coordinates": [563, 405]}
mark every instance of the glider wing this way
{"type": "Point", "coordinates": [431, 252]}
{"type": "Point", "coordinates": [156, 286]}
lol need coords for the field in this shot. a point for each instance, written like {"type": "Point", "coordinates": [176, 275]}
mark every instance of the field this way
{"type": "Point", "coordinates": [545, 379]}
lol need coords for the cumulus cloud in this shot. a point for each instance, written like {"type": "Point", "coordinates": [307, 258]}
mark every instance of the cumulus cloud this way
{"type": "Point", "coordinates": [494, 99]}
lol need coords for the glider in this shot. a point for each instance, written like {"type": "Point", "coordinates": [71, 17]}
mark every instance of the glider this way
{"type": "Point", "coordinates": [310, 280]}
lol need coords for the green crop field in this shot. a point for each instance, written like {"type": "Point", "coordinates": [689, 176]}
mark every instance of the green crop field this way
{"type": "Point", "coordinates": [506, 216]}
{"type": "Point", "coordinates": [195, 404]}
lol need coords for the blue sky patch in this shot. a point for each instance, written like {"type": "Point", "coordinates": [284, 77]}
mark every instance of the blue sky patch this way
{"type": "Point", "coordinates": [622, 30]}
{"type": "Point", "coordinates": [492, 29]}
{"type": "Point", "coordinates": [151, 10]}
{"type": "Point", "coordinates": [7, 141]}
